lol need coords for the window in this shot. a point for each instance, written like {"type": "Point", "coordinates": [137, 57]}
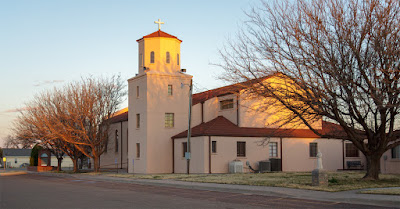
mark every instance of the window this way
{"type": "Point", "coordinates": [151, 57]}
{"type": "Point", "coordinates": [137, 91]}
{"type": "Point", "coordinates": [169, 120]}
{"type": "Point", "coordinates": [214, 146]}
{"type": "Point", "coordinates": [137, 120]}
{"type": "Point", "coordinates": [226, 104]}
{"type": "Point", "coordinates": [116, 140]}
{"type": "Point", "coordinates": [169, 90]}
{"type": "Point", "coordinates": [167, 57]}
{"type": "Point", "coordinates": [177, 59]}
{"type": "Point", "coordinates": [241, 149]}
{"type": "Point", "coordinates": [396, 152]}
{"type": "Point", "coordinates": [184, 148]}
{"type": "Point", "coordinates": [137, 150]}
{"type": "Point", "coordinates": [313, 149]}
{"type": "Point", "coordinates": [273, 149]}
{"type": "Point", "coordinates": [351, 150]}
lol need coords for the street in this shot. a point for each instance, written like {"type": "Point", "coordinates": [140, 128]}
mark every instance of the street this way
{"type": "Point", "coordinates": [37, 191]}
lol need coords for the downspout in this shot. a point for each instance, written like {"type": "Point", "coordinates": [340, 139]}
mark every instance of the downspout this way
{"type": "Point", "coordinates": [209, 154]}
{"type": "Point", "coordinates": [237, 109]}
{"type": "Point", "coordinates": [173, 155]}
{"type": "Point", "coordinates": [121, 143]}
{"type": "Point", "coordinates": [343, 154]}
{"type": "Point", "coordinates": [281, 154]}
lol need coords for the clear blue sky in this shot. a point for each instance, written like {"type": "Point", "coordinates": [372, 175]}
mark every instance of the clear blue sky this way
{"type": "Point", "coordinates": [44, 44]}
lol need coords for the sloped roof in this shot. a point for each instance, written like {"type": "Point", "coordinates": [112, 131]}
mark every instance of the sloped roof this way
{"type": "Point", "coordinates": [159, 33]}
{"type": "Point", "coordinates": [225, 90]}
{"type": "Point", "coordinates": [16, 152]}
{"type": "Point", "coordinates": [220, 126]}
{"type": "Point", "coordinates": [119, 118]}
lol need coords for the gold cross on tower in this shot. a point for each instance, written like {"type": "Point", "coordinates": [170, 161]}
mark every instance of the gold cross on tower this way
{"type": "Point", "coordinates": [159, 23]}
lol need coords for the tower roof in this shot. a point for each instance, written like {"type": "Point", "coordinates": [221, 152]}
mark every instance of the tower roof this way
{"type": "Point", "coordinates": [159, 33]}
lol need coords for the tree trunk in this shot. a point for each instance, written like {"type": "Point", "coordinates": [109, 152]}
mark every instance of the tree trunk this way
{"type": "Point", "coordinates": [373, 166]}
{"type": "Point", "coordinates": [96, 164]}
{"type": "Point", "coordinates": [75, 162]}
{"type": "Point", "coordinates": [59, 163]}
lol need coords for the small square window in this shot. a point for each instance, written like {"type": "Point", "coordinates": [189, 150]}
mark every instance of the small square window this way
{"type": "Point", "coordinates": [214, 146]}
{"type": "Point", "coordinates": [396, 152]}
{"type": "Point", "coordinates": [169, 120]}
{"type": "Point", "coordinates": [351, 150]}
{"type": "Point", "coordinates": [273, 149]}
{"type": "Point", "coordinates": [241, 149]}
{"type": "Point", "coordinates": [169, 90]}
{"type": "Point", "coordinates": [313, 149]}
{"type": "Point", "coordinates": [226, 104]}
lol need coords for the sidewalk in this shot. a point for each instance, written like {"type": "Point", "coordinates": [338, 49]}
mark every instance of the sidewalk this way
{"type": "Point", "coordinates": [12, 171]}
{"type": "Point", "coordinates": [339, 197]}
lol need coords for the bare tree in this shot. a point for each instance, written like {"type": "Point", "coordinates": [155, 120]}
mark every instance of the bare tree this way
{"type": "Point", "coordinates": [332, 59]}
{"type": "Point", "coordinates": [15, 142]}
{"type": "Point", "coordinates": [74, 119]}
{"type": "Point", "coordinates": [90, 103]}
{"type": "Point", "coordinates": [32, 126]}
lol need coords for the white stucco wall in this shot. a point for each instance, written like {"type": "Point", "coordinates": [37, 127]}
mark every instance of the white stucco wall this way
{"type": "Point", "coordinates": [108, 159]}
{"type": "Point", "coordinates": [296, 155]}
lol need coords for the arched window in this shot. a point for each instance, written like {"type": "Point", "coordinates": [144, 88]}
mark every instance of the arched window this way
{"type": "Point", "coordinates": [177, 59]}
{"type": "Point", "coordinates": [151, 57]}
{"type": "Point", "coordinates": [116, 140]}
{"type": "Point", "coordinates": [44, 158]}
{"type": "Point", "coordinates": [167, 57]}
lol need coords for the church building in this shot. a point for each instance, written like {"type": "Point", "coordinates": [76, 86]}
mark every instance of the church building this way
{"type": "Point", "coordinates": [150, 136]}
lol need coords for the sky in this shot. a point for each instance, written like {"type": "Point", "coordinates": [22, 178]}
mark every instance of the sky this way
{"type": "Point", "coordinates": [46, 44]}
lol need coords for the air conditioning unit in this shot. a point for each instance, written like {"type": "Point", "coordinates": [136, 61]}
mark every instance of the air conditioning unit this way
{"type": "Point", "coordinates": [276, 164]}
{"type": "Point", "coordinates": [236, 167]}
{"type": "Point", "coordinates": [264, 166]}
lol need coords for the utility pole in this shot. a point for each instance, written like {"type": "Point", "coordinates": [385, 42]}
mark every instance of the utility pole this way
{"type": "Point", "coordinates": [187, 154]}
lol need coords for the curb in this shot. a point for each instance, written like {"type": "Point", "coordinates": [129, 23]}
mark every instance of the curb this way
{"type": "Point", "coordinates": [13, 173]}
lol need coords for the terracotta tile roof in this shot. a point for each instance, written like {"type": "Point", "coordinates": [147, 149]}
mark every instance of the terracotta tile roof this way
{"type": "Point", "coordinates": [220, 126]}
{"type": "Point", "coordinates": [120, 116]}
{"type": "Point", "coordinates": [225, 90]}
{"type": "Point", "coordinates": [159, 33]}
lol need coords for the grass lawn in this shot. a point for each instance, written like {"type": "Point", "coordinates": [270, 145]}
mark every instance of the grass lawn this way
{"type": "Point", "coordinates": [382, 191]}
{"type": "Point", "coordinates": [338, 181]}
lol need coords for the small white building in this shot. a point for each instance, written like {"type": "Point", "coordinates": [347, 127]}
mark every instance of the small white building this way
{"type": "Point", "coordinates": [226, 125]}
{"type": "Point", "coordinates": [17, 157]}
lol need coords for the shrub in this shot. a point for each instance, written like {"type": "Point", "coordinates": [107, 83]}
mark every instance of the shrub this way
{"type": "Point", "coordinates": [333, 180]}
{"type": "Point", "coordinates": [35, 155]}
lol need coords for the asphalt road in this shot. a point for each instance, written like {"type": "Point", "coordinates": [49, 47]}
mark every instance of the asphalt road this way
{"type": "Point", "coordinates": [37, 191]}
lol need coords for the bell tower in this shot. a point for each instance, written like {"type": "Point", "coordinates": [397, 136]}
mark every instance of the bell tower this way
{"type": "Point", "coordinates": [158, 106]}
{"type": "Point", "coordinates": [159, 51]}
